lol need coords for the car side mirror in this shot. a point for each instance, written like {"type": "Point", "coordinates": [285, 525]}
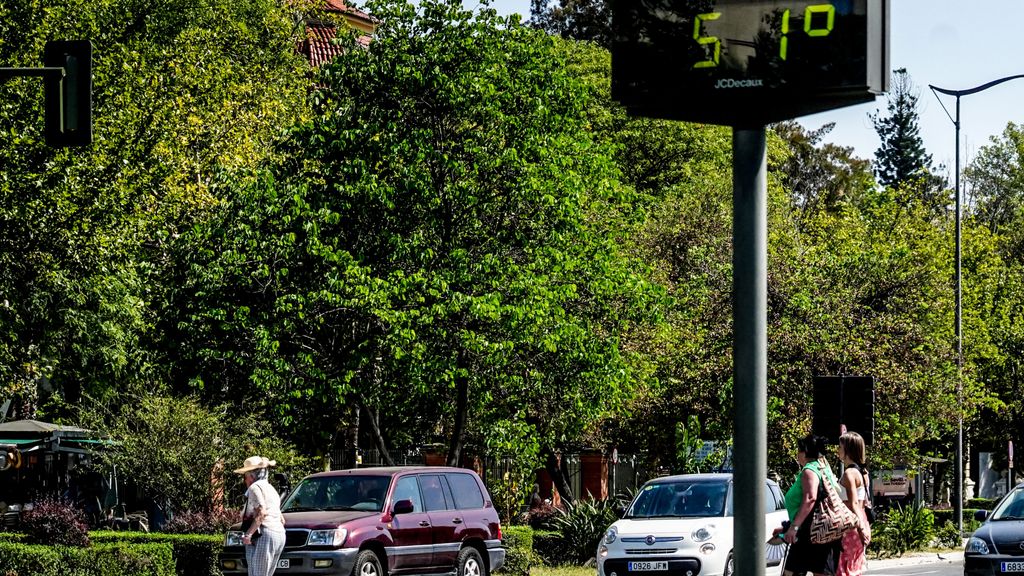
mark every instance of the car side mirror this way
{"type": "Point", "coordinates": [980, 515]}
{"type": "Point", "coordinates": [402, 507]}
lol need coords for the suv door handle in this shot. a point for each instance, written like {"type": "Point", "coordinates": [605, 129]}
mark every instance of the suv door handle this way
{"type": "Point", "coordinates": [424, 523]}
{"type": "Point", "coordinates": [456, 520]}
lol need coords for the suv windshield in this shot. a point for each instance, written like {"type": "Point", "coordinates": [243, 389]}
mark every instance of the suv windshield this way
{"type": "Point", "coordinates": [351, 492]}
{"type": "Point", "coordinates": [1011, 507]}
{"type": "Point", "coordinates": [680, 498]}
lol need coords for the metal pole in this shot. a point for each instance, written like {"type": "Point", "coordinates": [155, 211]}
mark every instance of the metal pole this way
{"type": "Point", "coordinates": [750, 347]}
{"type": "Point", "coordinates": [958, 469]}
{"type": "Point", "coordinates": [958, 478]}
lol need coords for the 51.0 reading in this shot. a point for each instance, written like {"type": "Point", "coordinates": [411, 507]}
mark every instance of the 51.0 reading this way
{"type": "Point", "coordinates": [828, 10]}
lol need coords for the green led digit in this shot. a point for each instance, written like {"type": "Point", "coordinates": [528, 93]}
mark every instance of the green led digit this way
{"type": "Point", "coordinates": [784, 43]}
{"type": "Point", "coordinates": [828, 9]}
{"type": "Point", "coordinates": [702, 40]}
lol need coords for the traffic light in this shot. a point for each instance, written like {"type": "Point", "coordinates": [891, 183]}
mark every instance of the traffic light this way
{"type": "Point", "coordinates": [68, 100]}
{"type": "Point", "coordinates": [844, 401]}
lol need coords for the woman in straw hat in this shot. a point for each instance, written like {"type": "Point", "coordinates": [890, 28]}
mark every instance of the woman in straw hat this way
{"type": "Point", "coordinates": [262, 524]}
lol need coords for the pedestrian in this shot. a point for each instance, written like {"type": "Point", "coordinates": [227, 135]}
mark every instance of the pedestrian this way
{"type": "Point", "coordinates": [853, 489]}
{"type": "Point", "coordinates": [262, 524]}
{"type": "Point", "coordinates": [804, 555]}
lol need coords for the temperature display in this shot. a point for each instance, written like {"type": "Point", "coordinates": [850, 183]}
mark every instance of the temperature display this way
{"type": "Point", "coordinates": [744, 61]}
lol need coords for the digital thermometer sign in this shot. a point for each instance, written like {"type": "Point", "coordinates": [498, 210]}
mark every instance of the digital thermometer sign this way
{"type": "Point", "coordinates": [747, 62]}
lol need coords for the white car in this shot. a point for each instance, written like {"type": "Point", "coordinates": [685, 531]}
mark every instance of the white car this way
{"type": "Point", "coordinates": [682, 526]}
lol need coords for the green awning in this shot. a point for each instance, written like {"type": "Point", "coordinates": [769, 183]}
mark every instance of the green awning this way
{"type": "Point", "coordinates": [20, 440]}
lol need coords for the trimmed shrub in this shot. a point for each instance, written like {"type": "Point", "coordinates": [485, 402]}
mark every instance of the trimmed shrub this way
{"type": "Point", "coordinates": [982, 503]}
{"type": "Point", "coordinates": [120, 559]}
{"type": "Point", "coordinates": [53, 521]}
{"type": "Point", "coordinates": [519, 557]}
{"type": "Point", "coordinates": [948, 536]}
{"type": "Point", "coordinates": [548, 547]}
{"type": "Point", "coordinates": [540, 517]}
{"type": "Point", "coordinates": [12, 537]}
{"type": "Point", "coordinates": [193, 554]}
{"type": "Point", "coordinates": [946, 515]}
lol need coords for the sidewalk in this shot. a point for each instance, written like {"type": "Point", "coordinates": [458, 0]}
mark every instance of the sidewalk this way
{"type": "Point", "coordinates": [916, 558]}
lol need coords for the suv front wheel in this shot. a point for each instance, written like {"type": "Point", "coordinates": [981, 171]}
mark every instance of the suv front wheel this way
{"type": "Point", "coordinates": [367, 564]}
{"type": "Point", "coordinates": [470, 563]}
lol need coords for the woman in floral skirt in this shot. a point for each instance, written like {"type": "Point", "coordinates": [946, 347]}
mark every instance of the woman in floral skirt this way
{"type": "Point", "coordinates": [854, 491]}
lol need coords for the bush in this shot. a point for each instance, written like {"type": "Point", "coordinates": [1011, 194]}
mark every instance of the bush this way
{"type": "Point", "coordinates": [114, 559]}
{"type": "Point", "coordinates": [948, 536]}
{"type": "Point", "coordinates": [901, 530]}
{"type": "Point", "coordinates": [946, 515]}
{"type": "Point", "coordinates": [982, 503]}
{"type": "Point", "coordinates": [548, 547]}
{"type": "Point", "coordinates": [519, 557]}
{"type": "Point", "coordinates": [582, 525]}
{"type": "Point", "coordinates": [53, 521]}
{"type": "Point", "coordinates": [540, 517]}
{"type": "Point", "coordinates": [216, 522]}
{"type": "Point", "coordinates": [193, 554]}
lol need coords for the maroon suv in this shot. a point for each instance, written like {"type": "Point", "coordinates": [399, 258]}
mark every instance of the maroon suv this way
{"type": "Point", "coordinates": [385, 521]}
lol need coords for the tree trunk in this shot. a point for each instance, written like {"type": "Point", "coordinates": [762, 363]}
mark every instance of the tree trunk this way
{"type": "Point", "coordinates": [378, 439]}
{"type": "Point", "coordinates": [461, 401]}
{"type": "Point", "coordinates": [351, 439]}
{"type": "Point", "coordinates": [559, 475]}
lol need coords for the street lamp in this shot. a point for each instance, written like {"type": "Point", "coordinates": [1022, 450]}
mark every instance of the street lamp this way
{"type": "Point", "coordinates": [958, 476]}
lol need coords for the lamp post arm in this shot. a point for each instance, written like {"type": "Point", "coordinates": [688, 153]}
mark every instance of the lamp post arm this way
{"type": "Point", "coordinates": [976, 89]}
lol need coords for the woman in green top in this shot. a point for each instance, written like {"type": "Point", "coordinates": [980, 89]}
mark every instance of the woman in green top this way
{"type": "Point", "coordinates": [804, 556]}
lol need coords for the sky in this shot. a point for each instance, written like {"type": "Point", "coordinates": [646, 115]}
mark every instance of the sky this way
{"type": "Point", "coordinates": [954, 44]}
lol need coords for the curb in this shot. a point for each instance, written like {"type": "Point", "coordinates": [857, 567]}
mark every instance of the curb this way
{"type": "Point", "coordinates": [951, 557]}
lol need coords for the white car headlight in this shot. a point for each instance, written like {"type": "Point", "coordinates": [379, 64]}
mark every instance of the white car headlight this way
{"type": "Point", "coordinates": [611, 535]}
{"type": "Point", "coordinates": [333, 537]}
{"type": "Point", "coordinates": [233, 538]}
{"type": "Point", "coordinates": [976, 546]}
{"type": "Point", "coordinates": [704, 533]}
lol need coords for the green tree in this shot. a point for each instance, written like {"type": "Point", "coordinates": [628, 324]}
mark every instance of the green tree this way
{"type": "Point", "coordinates": [180, 452]}
{"type": "Point", "coordinates": [181, 89]}
{"type": "Point", "coordinates": [589, 20]}
{"type": "Point", "coordinates": [995, 180]}
{"type": "Point", "coordinates": [440, 247]}
{"type": "Point", "coordinates": [901, 158]}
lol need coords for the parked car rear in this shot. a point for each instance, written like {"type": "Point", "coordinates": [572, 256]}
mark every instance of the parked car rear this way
{"type": "Point", "coordinates": [377, 521]}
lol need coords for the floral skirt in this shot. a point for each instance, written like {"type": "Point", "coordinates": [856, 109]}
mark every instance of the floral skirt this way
{"type": "Point", "coordinates": [853, 559]}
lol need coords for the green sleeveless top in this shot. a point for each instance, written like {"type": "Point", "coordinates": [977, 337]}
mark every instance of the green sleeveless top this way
{"type": "Point", "coordinates": [795, 494]}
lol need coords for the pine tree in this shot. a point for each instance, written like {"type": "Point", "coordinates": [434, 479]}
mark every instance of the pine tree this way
{"type": "Point", "coordinates": [901, 158]}
{"type": "Point", "coordinates": [589, 20]}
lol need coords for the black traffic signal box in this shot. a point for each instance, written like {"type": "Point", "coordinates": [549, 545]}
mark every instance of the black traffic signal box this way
{"type": "Point", "coordinates": [844, 400]}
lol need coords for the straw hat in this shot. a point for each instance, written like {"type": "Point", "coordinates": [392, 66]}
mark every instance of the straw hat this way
{"type": "Point", "coordinates": [255, 463]}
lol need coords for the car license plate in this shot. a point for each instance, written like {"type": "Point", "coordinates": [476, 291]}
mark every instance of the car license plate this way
{"type": "Point", "coordinates": [647, 566]}
{"type": "Point", "coordinates": [1012, 567]}
{"type": "Point", "coordinates": [284, 564]}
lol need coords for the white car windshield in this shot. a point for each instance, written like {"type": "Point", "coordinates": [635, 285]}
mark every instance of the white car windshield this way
{"type": "Point", "coordinates": [680, 499]}
{"type": "Point", "coordinates": [1011, 507]}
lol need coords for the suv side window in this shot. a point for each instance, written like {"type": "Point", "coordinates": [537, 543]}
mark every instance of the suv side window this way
{"type": "Point", "coordinates": [466, 491]}
{"type": "Point", "coordinates": [433, 492]}
{"type": "Point", "coordinates": [780, 500]}
{"type": "Point", "coordinates": [407, 489]}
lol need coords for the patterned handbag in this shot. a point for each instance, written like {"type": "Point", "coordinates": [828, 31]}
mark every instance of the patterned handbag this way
{"type": "Point", "coordinates": [831, 518]}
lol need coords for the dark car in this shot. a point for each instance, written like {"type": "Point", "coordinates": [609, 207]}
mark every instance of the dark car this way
{"type": "Point", "coordinates": [384, 521]}
{"type": "Point", "coordinates": [997, 546]}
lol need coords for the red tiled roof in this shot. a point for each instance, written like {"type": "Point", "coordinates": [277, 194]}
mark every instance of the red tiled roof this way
{"type": "Point", "coordinates": [319, 45]}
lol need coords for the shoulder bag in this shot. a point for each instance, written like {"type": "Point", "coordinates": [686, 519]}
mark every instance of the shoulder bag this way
{"type": "Point", "coordinates": [831, 518]}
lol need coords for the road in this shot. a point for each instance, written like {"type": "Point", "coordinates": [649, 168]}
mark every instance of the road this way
{"type": "Point", "coordinates": [934, 569]}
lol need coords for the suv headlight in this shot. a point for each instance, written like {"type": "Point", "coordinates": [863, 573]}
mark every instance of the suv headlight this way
{"type": "Point", "coordinates": [704, 533]}
{"type": "Point", "coordinates": [976, 546]}
{"type": "Point", "coordinates": [611, 535]}
{"type": "Point", "coordinates": [334, 537]}
{"type": "Point", "coordinates": [233, 538]}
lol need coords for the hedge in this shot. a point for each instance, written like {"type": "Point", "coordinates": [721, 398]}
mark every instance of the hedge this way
{"type": "Point", "coordinates": [982, 503]}
{"type": "Point", "coordinates": [519, 556]}
{"type": "Point", "coordinates": [194, 554]}
{"type": "Point", "coordinates": [549, 547]}
{"type": "Point", "coordinates": [946, 515]}
{"type": "Point", "coordinates": [110, 559]}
